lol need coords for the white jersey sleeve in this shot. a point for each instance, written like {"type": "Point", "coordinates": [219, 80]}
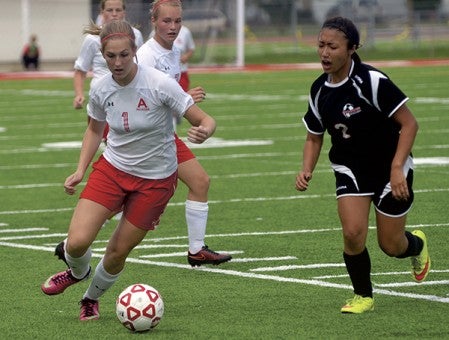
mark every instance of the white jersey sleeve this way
{"type": "Point", "coordinates": [90, 57]}
{"type": "Point", "coordinates": [138, 37]}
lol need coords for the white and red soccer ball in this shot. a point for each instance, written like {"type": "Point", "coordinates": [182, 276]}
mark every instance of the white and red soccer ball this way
{"type": "Point", "coordinates": [139, 307]}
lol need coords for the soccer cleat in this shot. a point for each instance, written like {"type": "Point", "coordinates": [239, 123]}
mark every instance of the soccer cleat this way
{"type": "Point", "coordinates": [56, 284]}
{"type": "Point", "coordinates": [358, 304]}
{"type": "Point", "coordinates": [59, 252]}
{"type": "Point", "coordinates": [421, 262]}
{"type": "Point", "coordinates": [207, 256]}
{"type": "Point", "coordinates": [89, 310]}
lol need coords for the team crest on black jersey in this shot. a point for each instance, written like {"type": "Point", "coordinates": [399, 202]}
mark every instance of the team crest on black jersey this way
{"type": "Point", "coordinates": [142, 106]}
{"type": "Point", "coordinates": [349, 110]}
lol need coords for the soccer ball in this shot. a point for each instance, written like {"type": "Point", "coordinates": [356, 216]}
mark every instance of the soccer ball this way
{"type": "Point", "coordinates": [139, 307]}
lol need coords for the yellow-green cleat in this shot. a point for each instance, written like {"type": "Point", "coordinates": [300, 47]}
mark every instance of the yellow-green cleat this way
{"type": "Point", "coordinates": [358, 304]}
{"type": "Point", "coordinates": [421, 262]}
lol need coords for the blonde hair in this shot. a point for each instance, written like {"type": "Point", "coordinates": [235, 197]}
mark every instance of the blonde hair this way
{"type": "Point", "coordinates": [154, 13]}
{"type": "Point", "coordinates": [115, 28]}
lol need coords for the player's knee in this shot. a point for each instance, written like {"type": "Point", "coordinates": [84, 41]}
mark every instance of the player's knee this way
{"type": "Point", "coordinates": [76, 247]}
{"type": "Point", "coordinates": [353, 235]}
{"type": "Point", "coordinates": [201, 184]}
{"type": "Point", "coordinates": [205, 182]}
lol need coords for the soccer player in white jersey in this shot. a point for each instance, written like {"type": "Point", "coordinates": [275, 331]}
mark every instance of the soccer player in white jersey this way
{"type": "Point", "coordinates": [160, 52]}
{"type": "Point", "coordinates": [90, 57]}
{"type": "Point", "coordinates": [372, 133]}
{"type": "Point", "coordinates": [185, 43]}
{"type": "Point", "coordinates": [136, 172]}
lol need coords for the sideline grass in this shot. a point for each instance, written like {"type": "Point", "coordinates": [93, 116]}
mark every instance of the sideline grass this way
{"type": "Point", "coordinates": [286, 280]}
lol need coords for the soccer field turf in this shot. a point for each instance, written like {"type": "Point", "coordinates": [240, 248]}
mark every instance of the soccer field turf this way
{"type": "Point", "coordinates": [286, 280]}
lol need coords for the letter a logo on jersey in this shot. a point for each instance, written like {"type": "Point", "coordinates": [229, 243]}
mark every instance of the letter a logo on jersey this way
{"type": "Point", "coordinates": [142, 106]}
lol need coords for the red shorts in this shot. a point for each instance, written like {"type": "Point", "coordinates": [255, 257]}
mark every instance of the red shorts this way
{"type": "Point", "coordinates": [143, 200]}
{"type": "Point", "coordinates": [184, 81]}
{"type": "Point", "coordinates": [183, 153]}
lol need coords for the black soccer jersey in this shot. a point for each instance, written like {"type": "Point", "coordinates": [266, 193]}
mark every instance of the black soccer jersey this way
{"type": "Point", "coordinates": [357, 113]}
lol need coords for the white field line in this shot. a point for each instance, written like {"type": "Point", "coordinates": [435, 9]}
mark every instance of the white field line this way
{"type": "Point", "coordinates": [149, 246]}
{"type": "Point", "coordinates": [411, 284]}
{"type": "Point", "coordinates": [323, 277]}
{"type": "Point", "coordinates": [184, 253]}
{"type": "Point", "coordinates": [252, 275]}
{"type": "Point", "coordinates": [422, 161]}
{"type": "Point", "coordinates": [32, 237]}
{"type": "Point", "coordinates": [239, 235]}
{"type": "Point", "coordinates": [292, 267]}
{"type": "Point", "coordinates": [272, 154]}
{"type": "Point", "coordinates": [378, 288]}
{"type": "Point", "coordinates": [259, 259]}
{"type": "Point", "coordinates": [21, 230]}
{"type": "Point", "coordinates": [233, 200]}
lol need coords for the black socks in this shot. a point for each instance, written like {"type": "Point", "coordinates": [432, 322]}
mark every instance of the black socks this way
{"type": "Point", "coordinates": [359, 270]}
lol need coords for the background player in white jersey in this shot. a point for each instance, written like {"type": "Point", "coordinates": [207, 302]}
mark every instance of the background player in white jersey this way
{"type": "Point", "coordinates": [185, 43]}
{"type": "Point", "coordinates": [160, 52]}
{"type": "Point", "coordinates": [137, 170]}
{"type": "Point", "coordinates": [90, 57]}
{"type": "Point", "coordinates": [372, 133]}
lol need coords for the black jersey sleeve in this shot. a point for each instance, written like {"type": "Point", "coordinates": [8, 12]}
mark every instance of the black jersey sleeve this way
{"type": "Point", "coordinates": [312, 119]}
{"type": "Point", "coordinates": [385, 95]}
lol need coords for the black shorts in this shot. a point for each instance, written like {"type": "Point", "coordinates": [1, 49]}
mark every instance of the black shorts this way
{"type": "Point", "coordinates": [350, 183]}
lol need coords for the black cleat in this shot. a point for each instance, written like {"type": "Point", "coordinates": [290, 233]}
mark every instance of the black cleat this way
{"type": "Point", "coordinates": [207, 256]}
{"type": "Point", "coordinates": [59, 252]}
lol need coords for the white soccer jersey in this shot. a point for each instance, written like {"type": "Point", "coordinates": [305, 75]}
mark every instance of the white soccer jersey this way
{"type": "Point", "coordinates": [184, 42]}
{"type": "Point", "coordinates": [141, 133]}
{"type": "Point", "coordinates": [90, 57]}
{"type": "Point", "coordinates": [153, 54]}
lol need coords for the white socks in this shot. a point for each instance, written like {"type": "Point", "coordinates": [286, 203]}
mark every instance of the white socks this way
{"type": "Point", "coordinates": [78, 265]}
{"type": "Point", "coordinates": [196, 217]}
{"type": "Point", "coordinates": [101, 282]}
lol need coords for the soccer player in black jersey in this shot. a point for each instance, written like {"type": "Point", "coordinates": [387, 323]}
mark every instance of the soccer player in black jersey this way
{"type": "Point", "coordinates": [372, 133]}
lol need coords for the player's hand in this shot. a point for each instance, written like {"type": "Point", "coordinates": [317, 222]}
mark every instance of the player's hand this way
{"type": "Point", "coordinates": [302, 180]}
{"type": "Point", "coordinates": [399, 187]}
{"type": "Point", "coordinates": [198, 94]}
{"type": "Point", "coordinates": [78, 102]}
{"type": "Point", "coordinates": [72, 181]}
{"type": "Point", "coordinates": [197, 134]}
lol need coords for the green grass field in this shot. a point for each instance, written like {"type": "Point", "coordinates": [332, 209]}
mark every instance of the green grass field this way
{"type": "Point", "coordinates": [286, 280]}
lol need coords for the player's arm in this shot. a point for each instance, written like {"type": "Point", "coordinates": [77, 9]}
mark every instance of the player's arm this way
{"type": "Point", "coordinates": [91, 141]}
{"type": "Point", "coordinates": [409, 128]}
{"type": "Point", "coordinates": [185, 57]}
{"type": "Point", "coordinates": [203, 125]}
{"type": "Point", "coordinates": [198, 94]}
{"type": "Point", "coordinates": [79, 78]}
{"type": "Point", "coordinates": [311, 153]}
